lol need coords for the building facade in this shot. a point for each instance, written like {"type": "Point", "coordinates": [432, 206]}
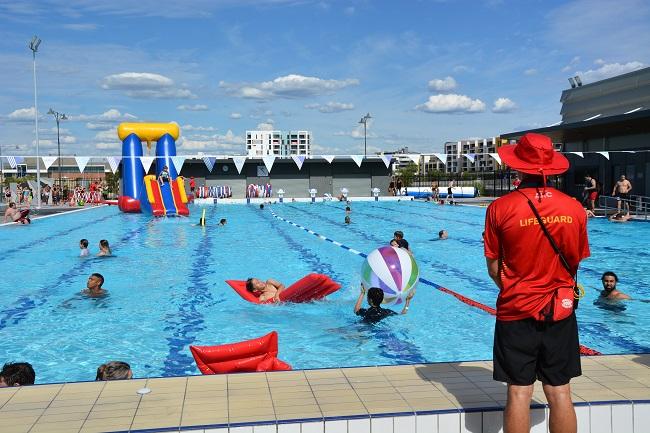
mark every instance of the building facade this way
{"type": "Point", "coordinates": [264, 143]}
{"type": "Point", "coordinates": [466, 156]}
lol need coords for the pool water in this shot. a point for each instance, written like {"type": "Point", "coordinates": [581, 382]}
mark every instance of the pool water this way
{"type": "Point", "coordinates": [167, 291]}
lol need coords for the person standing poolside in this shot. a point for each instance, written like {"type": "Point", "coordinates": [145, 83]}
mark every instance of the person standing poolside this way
{"type": "Point", "coordinates": [192, 184]}
{"type": "Point", "coordinates": [621, 191]}
{"type": "Point", "coordinates": [450, 191]}
{"type": "Point", "coordinates": [531, 339]}
{"type": "Point", "coordinates": [434, 191]}
{"type": "Point", "coordinates": [398, 186]}
{"type": "Point", "coordinates": [591, 192]}
{"type": "Point", "coordinates": [94, 286]}
{"type": "Point", "coordinates": [516, 182]}
{"type": "Point", "coordinates": [265, 290]}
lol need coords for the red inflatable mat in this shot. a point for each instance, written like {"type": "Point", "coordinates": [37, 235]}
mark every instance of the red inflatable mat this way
{"type": "Point", "coordinates": [309, 288]}
{"type": "Point", "coordinates": [258, 354]}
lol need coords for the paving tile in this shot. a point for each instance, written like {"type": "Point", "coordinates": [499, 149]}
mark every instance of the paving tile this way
{"type": "Point", "coordinates": [57, 427]}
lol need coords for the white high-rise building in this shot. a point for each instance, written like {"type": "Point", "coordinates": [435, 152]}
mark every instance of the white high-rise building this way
{"type": "Point", "coordinates": [263, 143]}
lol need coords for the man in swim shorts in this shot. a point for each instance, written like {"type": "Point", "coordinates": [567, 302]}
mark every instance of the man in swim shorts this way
{"type": "Point", "coordinates": [621, 191]}
{"type": "Point", "coordinates": [535, 338]}
{"type": "Point", "coordinates": [609, 280]}
{"type": "Point", "coordinates": [375, 313]}
{"type": "Point", "coordinates": [591, 192]}
{"type": "Point", "coordinates": [16, 215]}
{"type": "Point", "coordinates": [94, 286]}
{"type": "Point", "coordinates": [265, 290]}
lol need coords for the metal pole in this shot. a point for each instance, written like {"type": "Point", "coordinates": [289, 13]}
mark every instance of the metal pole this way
{"type": "Point", "coordinates": [365, 144]}
{"type": "Point", "coordinates": [58, 145]}
{"type": "Point", "coordinates": [38, 156]}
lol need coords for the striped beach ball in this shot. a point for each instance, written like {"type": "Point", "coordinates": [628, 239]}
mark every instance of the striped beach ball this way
{"type": "Point", "coordinates": [393, 270]}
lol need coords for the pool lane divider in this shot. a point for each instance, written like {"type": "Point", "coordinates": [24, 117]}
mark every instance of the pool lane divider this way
{"type": "Point", "coordinates": [584, 350]}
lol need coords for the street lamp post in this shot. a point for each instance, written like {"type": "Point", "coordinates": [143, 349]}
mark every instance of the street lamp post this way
{"type": "Point", "coordinates": [364, 120]}
{"type": "Point", "coordinates": [33, 45]}
{"type": "Point", "coordinates": [58, 117]}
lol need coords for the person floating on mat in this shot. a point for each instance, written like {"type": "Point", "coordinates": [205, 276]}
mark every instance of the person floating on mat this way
{"type": "Point", "coordinates": [265, 290]}
{"type": "Point", "coordinates": [16, 215]}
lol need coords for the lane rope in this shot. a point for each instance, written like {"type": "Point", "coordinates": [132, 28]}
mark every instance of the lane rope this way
{"type": "Point", "coordinates": [584, 350]}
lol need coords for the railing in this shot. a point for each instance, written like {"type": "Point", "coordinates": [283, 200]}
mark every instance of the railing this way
{"type": "Point", "coordinates": [638, 205]}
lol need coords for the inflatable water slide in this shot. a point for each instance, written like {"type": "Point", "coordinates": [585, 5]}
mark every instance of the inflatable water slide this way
{"type": "Point", "coordinates": [142, 192]}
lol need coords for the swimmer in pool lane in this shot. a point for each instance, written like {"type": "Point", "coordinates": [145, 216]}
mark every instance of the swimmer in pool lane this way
{"type": "Point", "coordinates": [83, 246]}
{"type": "Point", "coordinates": [94, 286]}
{"type": "Point", "coordinates": [222, 222]}
{"type": "Point", "coordinates": [265, 290]}
{"type": "Point", "coordinates": [375, 313]}
{"type": "Point", "coordinates": [443, 234]}
{"type": "Point", "coordinates": [104, 249]}
{"type": "Point", "coordinates": [609, 280]}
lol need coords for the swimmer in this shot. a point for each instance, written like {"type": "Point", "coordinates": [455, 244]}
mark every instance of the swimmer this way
{"type": "Point", "coordinates": [94, 286]}
{"type": "Point", "coordinates": [261, 206]}
{"type": "Point", "coordinates": [590, 213]}
{"type": "Point", "coordinates": [104, 249]}
{"type": "Point", "coordinates": [442, 235]}
{"type": "Point", "coordinates": [114, 370]}
{"type": "Point", "coordinates": [620, 217]}
{"type": "Point", "coordinates": [265, 290]}
{"type": "Point", "coordinates": [18, 216]}
{"type": "Point", "coordinates": [348, 211]}
{"type": "Point", "coordinates": [375, 313]}
{"type": "Point", "coordinates": [222, 222]}
{"type": "Point", "coordinates": [347, 219]}
{"type": "Point", "coordinates": [83, 246]}
{"type": "Point", "coordinates": [609, 280]}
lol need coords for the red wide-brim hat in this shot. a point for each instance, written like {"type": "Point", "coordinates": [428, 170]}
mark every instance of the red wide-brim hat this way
{"type": "Point", "coordinates": [534, 154]}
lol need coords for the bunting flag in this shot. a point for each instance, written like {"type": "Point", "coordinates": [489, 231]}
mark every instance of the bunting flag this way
{"type": "Point", "coordinates": [605, 154]}
{"type": "Point", "coordinates": [209, 162]}
{"type": "Point", "coordinates": [48, 161]}
{"type": "Point", "coordinates": [387, 158]}
{"type": "Point", "coordinates": [442, 157]}
{"type": "Point", "coordinates": [14, 160]}
{"type": "Point", "coordinates": [496, 157]}
{"type": "Point", "coordinates": [415, 158]}
{"type": "Point", "coordinates": [268, 161]}
{"type": "Point", "coordinates": [328, 158]}
{"type": "Point", "coordinates": [178, 162]}
{"type": "Point", "coordinates": [358, 159]}
{"type": "Point", "coordinates": [239, 162]}
{"type": "Point", "coordinates": [146, 162]}
{"type": "Point", "coordinates": [299, 160]}
{"type": "Point", "coordinates": [471, 157]}
{"type": "Point", "coordinates": [578, 153]}
{"type": "Point", "coordinates": [82, 161]}
{"type": "Point", "coordinates": [114, 162]}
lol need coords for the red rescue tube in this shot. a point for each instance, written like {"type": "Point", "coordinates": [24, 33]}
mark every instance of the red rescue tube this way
{"type": "Point", "coordinates": [311, 287]}
{"type": "Point", "coordinates": [258, 354]}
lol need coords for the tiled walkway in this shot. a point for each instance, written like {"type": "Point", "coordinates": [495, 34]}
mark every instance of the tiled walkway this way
{"type": "Point", "coordinates": [399, 399]}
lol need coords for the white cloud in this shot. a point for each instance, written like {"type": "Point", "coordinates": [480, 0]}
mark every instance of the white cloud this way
{"type": "Point", "coordinates": [80, 27]}
{"type": "Point", "coordinates": [503, 105]}
{"type": "Point", "coordinates": [198, 128]}
{"type": "Point", "coordinates": [330, 107]}
{"type": "Point", "coordinates": [609, 70]}
{"type": "Point", "coordinates": [451, 103]}
{"type": "Point", "coordinates": [599, 62]}
{"type": "Point", "coordinates": [264, 126]}
{"type": "Point", "coordinates": [110, 145]}
{"type": "Point", "coordinates": [531, 71]}
{"type": "Point", "coordinates": [22, 115]}
{"type": "Point", "coordinates": [112, 115]}
{"type": "Point", "coordinates": [227, 142]}
{"type": "Point", "coordinates": [572, 64]}
{"type": "Point", "coordinates": [290, 87]}
{"type": "Point", "coordinates": [146, 85]}
{"type": "Point", "coordinates": [235, 115]}
{"type": "Point", "coordinates": [196, 107]}
{"type": "Point", "coordinates": [358, 132]}
{"type": "Point", "coordinates": [442, 85]}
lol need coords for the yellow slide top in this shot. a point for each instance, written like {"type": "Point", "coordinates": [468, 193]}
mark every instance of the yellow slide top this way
{"type": "Point", "coordinates": [148, 131]}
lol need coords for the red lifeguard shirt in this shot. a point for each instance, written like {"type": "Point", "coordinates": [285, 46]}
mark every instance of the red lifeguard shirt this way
{"type": "Point", "coordinates": [192, 183]}
{"type": "Point", "coordinates": [530, 270]}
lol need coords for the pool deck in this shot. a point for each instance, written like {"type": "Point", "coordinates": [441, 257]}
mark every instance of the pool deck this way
{"type": "Point", "coordinates": [612, 395]}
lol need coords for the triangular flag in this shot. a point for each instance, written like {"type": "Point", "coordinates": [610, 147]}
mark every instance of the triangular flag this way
{"type": "Point", "coordinates": [605, 154]}
{"type": "Point", "coordinates": [358, 159]}
{"type": "Point", "coordinates": [496, 157]}
{"type": "Point", "coordinates": [178, 162]}
{"type": "Point", "coordinates": [114, 162]}
{"type": "Point", "coordinates": [328, 158]}
{"type": "Point", "coordinates": [268, 161]}
{"type": "Point", "coordinates": [442, 157]}
{"type": "Point", "coordinates": [12, 161]}
{"type": "Point", "coordinates": [239, 162]}
{"type": "Point", "coordinates": [82, 161]}
{"type": "Point", "coordinates": [146, 162]}
{"type": "Point", "coordinates": [48, 161]}
{"type": "Point", "coordinates": [578, 153]}
{"type": "Point", "coordinates": [387, 158]}
{"type": "Point", "coordinates": [299, 160]}
{"type": "Point", "coordinates": [470, 156]}
{"type": "Point", "coordinates": [415, 158]}
{"type": "Point", "coordinates": [209, 162]}
{"type": "Point", "coordinates": [427, 158]}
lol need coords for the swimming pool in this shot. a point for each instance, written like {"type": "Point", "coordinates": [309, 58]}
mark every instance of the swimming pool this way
{"type": "Point", "coordinates": [167, 289]}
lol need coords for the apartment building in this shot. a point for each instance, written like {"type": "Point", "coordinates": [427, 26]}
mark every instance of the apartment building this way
{"type": "Point", "coordinates": [263, 143]}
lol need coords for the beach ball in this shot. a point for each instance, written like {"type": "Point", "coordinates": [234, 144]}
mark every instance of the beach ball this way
{"type": "Point", "coordinates": [393, 270]}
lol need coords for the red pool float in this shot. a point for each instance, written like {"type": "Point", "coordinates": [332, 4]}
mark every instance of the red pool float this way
{"type": "Point", "coordinates": [309, 288]}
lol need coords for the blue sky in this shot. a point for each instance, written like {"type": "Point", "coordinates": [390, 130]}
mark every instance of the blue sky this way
{"type": "Point", "coordinates": [427, 71]}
